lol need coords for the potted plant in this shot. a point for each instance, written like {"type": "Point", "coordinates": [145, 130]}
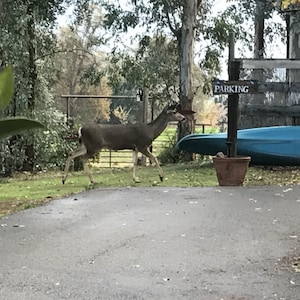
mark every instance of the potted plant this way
{"type": "Point", "coordinates": [231, 171]}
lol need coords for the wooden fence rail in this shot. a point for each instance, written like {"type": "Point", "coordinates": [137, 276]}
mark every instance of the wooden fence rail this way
{"type": "Point", "coordinates": [123, 158]}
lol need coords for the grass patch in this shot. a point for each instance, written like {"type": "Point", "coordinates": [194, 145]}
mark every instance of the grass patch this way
{"type": "Point", "coordinates": [26, 190]}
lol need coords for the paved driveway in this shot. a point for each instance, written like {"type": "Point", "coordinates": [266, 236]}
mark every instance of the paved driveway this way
{"type": "Point", "coordinates": [155, 243]}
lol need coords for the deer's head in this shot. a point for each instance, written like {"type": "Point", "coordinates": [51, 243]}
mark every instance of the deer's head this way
{"type": "Point", "coordinates": [173, 113]}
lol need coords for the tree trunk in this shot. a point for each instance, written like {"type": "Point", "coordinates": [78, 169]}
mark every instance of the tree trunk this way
{"type": "Point", "coordinates": [28, 164]}
{"type": "Point", "coordinates": [186, 53]}
{"type": "Point", "coordinates": [293, 53]}
{"type": "Point", "coordinates": [259, 47]}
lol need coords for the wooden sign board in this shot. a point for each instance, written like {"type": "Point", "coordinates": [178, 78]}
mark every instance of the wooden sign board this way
{"type": "Point", "coordinates": [235, 87]}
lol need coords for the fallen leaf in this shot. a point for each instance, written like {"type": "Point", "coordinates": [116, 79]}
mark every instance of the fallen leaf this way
{"type": "Point", "coordinates": [293, 236]}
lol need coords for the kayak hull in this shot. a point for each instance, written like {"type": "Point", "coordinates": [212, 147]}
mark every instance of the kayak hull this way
{"type": "Point", "coordinates": [277, 145]}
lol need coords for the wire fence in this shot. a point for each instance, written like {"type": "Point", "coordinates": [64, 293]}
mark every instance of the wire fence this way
{"type": "Point", "coordinates": [96, 104]}
{"type": "Point", "coordinates": [123, 158]}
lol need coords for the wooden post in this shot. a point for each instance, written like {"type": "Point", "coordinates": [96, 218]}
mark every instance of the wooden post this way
{"type": "Point", "coordinates": [294, 52]}
{"type": "Point", "coordinates": [259, 48]}
{"type": "Point", "coordinates": [110, 158]}
{"type": "Point", "coordinates": [233, 102]}
{"type": "Point", "coordinates": [68, 109]}
{"type": "Point", "coordinates": [145, 97]}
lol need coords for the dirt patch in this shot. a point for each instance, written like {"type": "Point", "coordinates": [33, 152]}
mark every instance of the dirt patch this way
{"type": "Point", "coordinates": [291, 262]}
{"type": "Point", "coordinates": [7, 208]}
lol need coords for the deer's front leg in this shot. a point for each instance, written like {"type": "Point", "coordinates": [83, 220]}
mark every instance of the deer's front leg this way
{"type": "Point", "coordinates": [81, 150]}
{"type": "Point", "coordinates": [66, 171]}
{"type": "Point", "coordinates": [153, 160]}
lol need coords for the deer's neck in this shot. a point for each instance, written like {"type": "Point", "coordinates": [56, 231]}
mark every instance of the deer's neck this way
{"type": "Point", "coordinates": [158, 125]}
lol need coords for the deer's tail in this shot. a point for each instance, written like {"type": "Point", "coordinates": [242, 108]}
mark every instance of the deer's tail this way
{"type": "Point", "coordinates": [79, 136]}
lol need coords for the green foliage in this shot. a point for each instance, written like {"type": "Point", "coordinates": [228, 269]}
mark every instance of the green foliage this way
{"type": "Point", "coordinates": [169, 154]}
{"type": "Point", "coordinates": [23, 26]}
{"type": "Point", "coordinates": [79, 67]}
{"type": "Point", "coordinates": [245, 12]}
{"type": "Point", "coordinates": [10, 126]}
{"type": "Point", "coordinates": [9, 149]}
{"type": "Point", "coordinates": [211, 31]}
{"type": "Point", "coordinates": [6, 86]}
{"type": "Point", "coordinates": [51, 148]}
{"type": "Point", "coordinates": [154, 64]}
{"type": "Point", "coordinates": [91, 76]}
{"type": "Point", "coordinates": [166, 18]}
{"type": "Point", "coordinates": [120, 19]}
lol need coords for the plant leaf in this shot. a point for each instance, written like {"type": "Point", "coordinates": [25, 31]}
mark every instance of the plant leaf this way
{"type": "Point", "coordinates": [6, 86]}
{"type": "Point", "coordinates": [12, 126]}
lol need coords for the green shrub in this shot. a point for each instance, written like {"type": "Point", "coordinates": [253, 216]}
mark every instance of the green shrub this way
{"type": "Point", "coordinates": [169, 154]}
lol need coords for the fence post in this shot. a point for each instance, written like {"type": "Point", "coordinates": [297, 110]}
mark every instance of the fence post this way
{"type": "Point", "coordinates": [145, 98]}
{"type": "Point", "coordinates": [68, 110]}
{"type": "Point", "coordinates": [233, 101]}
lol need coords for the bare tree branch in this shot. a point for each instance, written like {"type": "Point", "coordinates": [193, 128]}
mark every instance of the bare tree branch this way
{"type": "Point", "coordinates": [175, 31]}
{"type": "Point", "coordinates": [63, 51]}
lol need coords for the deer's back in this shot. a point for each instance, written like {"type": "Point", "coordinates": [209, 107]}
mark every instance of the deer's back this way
{"type": "Point", "coordinates": [115, 136]}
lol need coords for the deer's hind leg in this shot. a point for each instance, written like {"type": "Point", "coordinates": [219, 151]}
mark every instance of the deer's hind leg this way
{"type": "Point", "coordinates": [86, 168]}
{"type": "Point", "coordinates": [153, 160]}
{"type": "Point", "coordinates": [79, 151]}
{"type": "Point", "coordinates": [135, 159]}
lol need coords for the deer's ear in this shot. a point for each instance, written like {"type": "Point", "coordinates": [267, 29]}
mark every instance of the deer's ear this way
{"type": "Point", "coordinates": [173, 106]}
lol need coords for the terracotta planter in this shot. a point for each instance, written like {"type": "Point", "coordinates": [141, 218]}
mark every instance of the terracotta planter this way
{"type": "Point", "coordinates": [231, 171]}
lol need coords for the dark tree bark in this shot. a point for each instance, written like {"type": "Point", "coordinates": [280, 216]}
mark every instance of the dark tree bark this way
{"type": "Point", "coordinates": [185, 40]}
{"type": "Point", "coordinates": [294, 53]}
{"type": "Point", "coordinates": [29, 149]}
{"type": "Point", "coordinates": [259, 46]}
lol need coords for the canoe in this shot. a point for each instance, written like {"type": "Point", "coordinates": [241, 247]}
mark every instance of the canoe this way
{"type": "Point", "coordinates": [277, 145]}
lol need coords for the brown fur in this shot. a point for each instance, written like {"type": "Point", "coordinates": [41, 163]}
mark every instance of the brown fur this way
{"type": "Point", "coordinates": [137, 137]}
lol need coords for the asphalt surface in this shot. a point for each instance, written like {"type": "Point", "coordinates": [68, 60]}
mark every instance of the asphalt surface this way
{"type": "Point", "coordinates": [155, 243]}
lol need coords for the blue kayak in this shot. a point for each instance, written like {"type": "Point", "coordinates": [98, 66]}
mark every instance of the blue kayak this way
{"type": "Point", "coordinates": [277, 145]}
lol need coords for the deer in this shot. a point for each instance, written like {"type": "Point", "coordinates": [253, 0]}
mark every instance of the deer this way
{"type": "Point", "coordinates": [137, 137]}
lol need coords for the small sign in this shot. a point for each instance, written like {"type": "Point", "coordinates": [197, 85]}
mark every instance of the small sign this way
{"type": "Point", "coordinates": [235, 87]}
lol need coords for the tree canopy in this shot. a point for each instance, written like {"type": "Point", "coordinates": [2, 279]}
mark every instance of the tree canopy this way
{"type": "Point", "coordinates": [172, 47]}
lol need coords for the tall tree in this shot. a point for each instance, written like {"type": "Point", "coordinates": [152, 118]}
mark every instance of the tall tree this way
{"type": "Point", "coordinates": [81, 66]}
{"type": "Point", "coordinates": [291, 9]}
{"type": "Point", "coordinates": [26, 34]}
{"type": "Point", "coordinates": [186, 21]}
{"type": "Point", "coordinates": [153, 64]}
{"type": "Point", "coordinates": [81, 70]}
{"type": "Point", "coordinates": [185, 35]}
{"type": "Point", "coordinates": [20, 37]}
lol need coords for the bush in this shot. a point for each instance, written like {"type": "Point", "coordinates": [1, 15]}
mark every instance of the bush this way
{"type": "Point", "coordinates": [169, 154]}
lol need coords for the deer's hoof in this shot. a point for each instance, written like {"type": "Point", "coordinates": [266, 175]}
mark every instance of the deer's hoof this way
{"type": "Point", "coordinates": [63, 181]}
{"type": "Point", "coordinates": [161, 178]}
{"type": "Point", "coordinates": [136, 180]}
